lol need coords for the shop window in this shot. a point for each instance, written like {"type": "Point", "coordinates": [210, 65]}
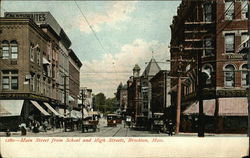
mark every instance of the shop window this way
{"type": "Point", "coordinates": [207, 9]}
{"type": "Point", "coordinates": [229, 76]}
{"type": "Point", "coordinates": [208, 46]}
{"type": "Point", "coordinates": [14, 49]}
{"type": "Point", "coordinates": [244, 9]}
{"type": "Point", "coordinates": [229, 9]}
{"type": "Point", "coordinates": [229, 43]}
{"type": "Point", "coordinates": [244, 76]}
{"type": "Point", "coordinates": [5, 49]}
{"type": "Point", "coordinates": [9, 79]}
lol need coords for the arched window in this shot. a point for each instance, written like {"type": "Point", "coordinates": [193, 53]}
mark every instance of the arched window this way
{"type": "Point", "coordinates": [5, 49]}
{"type": "Point", "coordinates": [208, 69]}
{"type": "Point", "coordinates": [229, 76]}
{"type": "Point", "coordinates": [244, 75]}
{"type": "Point", "coordinates": [14, 49]}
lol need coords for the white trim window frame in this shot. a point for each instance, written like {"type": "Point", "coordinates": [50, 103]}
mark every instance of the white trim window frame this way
{"type": "Point", "coordinates": [10, 80]}
{"type": "Point", "coordinates": [5, 49]}
{"type": "Point", "coordinates": [229, 41]}
{"type": "Point", "coordinates": [229, 75]}
{"type": "Point", "coordinates": [244, 76]}
{"type": "Point", "coordinates": [13, 50]}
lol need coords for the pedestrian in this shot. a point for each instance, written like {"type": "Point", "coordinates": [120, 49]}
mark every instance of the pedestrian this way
{"type": "Point", "coordinates": [170, 128]}
{"type": "Point", "coordinates": [8, 133]}
{"type": "Point", "coordinates": [45, 125]}
{"type": "Point", "coordinates": [23, 129]}
{"type": "Point", "coordinates": [36, 126]}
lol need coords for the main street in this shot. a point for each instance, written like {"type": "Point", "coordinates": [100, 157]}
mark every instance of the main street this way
{"type": "Point", "coordinates": [105, 131]}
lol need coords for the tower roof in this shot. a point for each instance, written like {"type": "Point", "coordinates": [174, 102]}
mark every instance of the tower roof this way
{"type": "Point", "coordinates": [136, 67]}
{"type": "Point", "coordinates": [151, 69]}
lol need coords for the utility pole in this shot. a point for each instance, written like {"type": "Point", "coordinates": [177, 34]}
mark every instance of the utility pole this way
{"type": "Point", "coordinates": [83, 98]}
{"type": "Point", "coordinates": [65, 98]}
{"type": "Point", "coordinates": [179, 77]}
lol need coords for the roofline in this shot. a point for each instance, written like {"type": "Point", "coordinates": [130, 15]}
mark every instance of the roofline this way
{"type": "Point", "coordinates": [29, 21]}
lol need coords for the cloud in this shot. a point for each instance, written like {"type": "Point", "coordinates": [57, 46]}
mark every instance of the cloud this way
{"type": "Point", "coordinates": [106, 74]}
{"type": "Point", "coordinates": [117, 12]}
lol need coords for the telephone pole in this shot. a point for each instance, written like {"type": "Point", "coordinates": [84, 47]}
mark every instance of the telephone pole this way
{"type": "Point", "coordinates": [83, 98]}
{"type": "Point", "coordinates": [179, 77]}
{"type": "Point", "coordinates": [65, 99]}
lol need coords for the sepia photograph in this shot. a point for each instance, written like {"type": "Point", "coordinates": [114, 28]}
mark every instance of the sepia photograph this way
{"type": "Point", "coordinates": [166, 78]}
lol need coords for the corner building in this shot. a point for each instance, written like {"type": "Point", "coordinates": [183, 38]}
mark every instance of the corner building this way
{"type": "Point", "coordinates": [211, 33]}
{"type": "Point", "coordinates": [30, 64]}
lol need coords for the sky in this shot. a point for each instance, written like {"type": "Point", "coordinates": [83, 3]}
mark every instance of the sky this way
{"type": "Point", "coordinates": [125, 33]}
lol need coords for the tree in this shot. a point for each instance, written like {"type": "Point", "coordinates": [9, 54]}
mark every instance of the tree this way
{"type": "Point", "coordinates": [99, 101]}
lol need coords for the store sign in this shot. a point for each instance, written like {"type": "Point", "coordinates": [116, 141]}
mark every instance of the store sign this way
{"type": "Point", "coordinates": [22, 96]}
{"type": "Point", "coordinates": [37, 17]}
{"type": "Point", "coordinates": [235, 56]}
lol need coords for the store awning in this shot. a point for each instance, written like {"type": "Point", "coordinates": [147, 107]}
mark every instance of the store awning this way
{"type": "Point", "coordinates": [10, 107]}
{"type": "Point", "coordinates": [36, 104]}
{"type": "Point", "coordinates": [208, 108]}
{"type": "Point", "coordinates": [71, 99]}
{"type": "Point", "coordinates": [233, 106]}
{"type": "Point", "coordinates": [76, 114]}
{"type": "Point", "coordinates": [61, 112]}
{"type": "Point", "coordinates": [51, 109]}
{"type": "Point", "coordinates": [45, 61]}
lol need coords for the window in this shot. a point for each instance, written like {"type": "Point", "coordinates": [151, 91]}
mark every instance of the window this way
{"type": "Point", "coordinates": [207, 12]}
{"type": "Point", "coordinates": [9, 79]}
{"type": "Point", "coordinates": [244, 75]}
{"type": "Point", "coordinates": [208, 69]}
{"type": "Point", "coordinates": [208, 46]}
{"type": "Point", "coordinates": [38, 57]}
{"type": "Point", "coordinates": [229, 43]}
{"type": "Point", "coordinates": [5, 50]}
{"type": "Point", "coordinates": [244, 9]}
{"type": "Point", "coordinates": [244, 37]}
{"type": "Point", "coordinates": [229, 10]}
{"type": "Point", "coordinates": [229, 76]}
{"type": "Point", "coordinates": [31, 52]}
{"type": "Point", "coordinates": [14, 49]}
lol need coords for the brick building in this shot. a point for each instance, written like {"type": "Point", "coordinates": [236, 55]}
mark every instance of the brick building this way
{"type": "Point", "coordinates": [30, 66]}
{"type": "Point", "coordinates": [122, 97]}
{"type": "Point", "coordinates": [74, 78]}
{"type": "Point", "coordinates": [160, 92]}
{"type": "Point", "coordinates": [151, 69]}
{"type": "Point", "coordinates": [211, 33]}
{"type": "Point", "coordinates": [134, 94]}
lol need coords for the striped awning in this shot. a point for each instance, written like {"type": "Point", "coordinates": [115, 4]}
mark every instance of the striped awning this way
{"type": "Point", "coordinates": [52, 110]}
{"type": "Point", "coordinates": [36, 104]}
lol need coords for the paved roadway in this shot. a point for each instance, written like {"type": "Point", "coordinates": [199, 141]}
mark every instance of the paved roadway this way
{"type": "Point", "coordinates": [118, 131]}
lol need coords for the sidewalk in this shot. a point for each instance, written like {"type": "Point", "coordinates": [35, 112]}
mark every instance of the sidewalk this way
{"type": "Point", "coordinates": [181, 134]}
{"type": "Point", "coordinates": [30, 133]}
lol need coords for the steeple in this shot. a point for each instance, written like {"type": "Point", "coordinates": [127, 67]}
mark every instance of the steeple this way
{"type": "Point", "coordinates": [136, 70]}
{"type": "Point", "coordinates": [152, 68]}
